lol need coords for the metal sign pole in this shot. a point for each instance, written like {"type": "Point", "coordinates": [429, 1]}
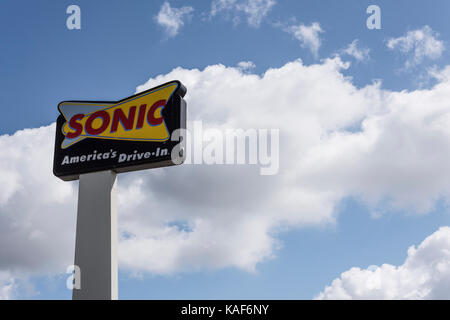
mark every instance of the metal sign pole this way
{"type": "Point", "coordinates": [139, 132]}
{"type": "Point", "coordinates": [96, 237]}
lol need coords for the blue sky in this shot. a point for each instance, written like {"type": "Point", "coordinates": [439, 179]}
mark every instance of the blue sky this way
{"type": "Point", "coordinates": [121, 45]}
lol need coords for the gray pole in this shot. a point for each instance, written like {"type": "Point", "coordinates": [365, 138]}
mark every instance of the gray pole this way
{"type": "Point", "coordinates": [96, 237]}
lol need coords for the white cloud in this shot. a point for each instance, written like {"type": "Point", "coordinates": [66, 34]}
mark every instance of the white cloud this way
{"type": "Point", "coordinates": [37, 211]}
{"type": "Point", "coordinates": [245, 66]}
{"type": "Point", "coordinates": [255, 10]}
{"type": "Point", "coordinates": [322, 160]}
{"type": "Point", "coordinates": [8, 286]}
{"type": "Point", "coordinates": [172, 19]}
{"type": "Point", "coordinates": [222, 5]}
{"type": "Point", "coordinates": [418, 45]}
{"type": "Point", "coordinates": [337, 140]}
{"type": "Point", "coordinates": [424, 275]}
{"type": "Point", "coordinates": [309, 36]}
{"type": "Point", "coordinates": [354, 50]}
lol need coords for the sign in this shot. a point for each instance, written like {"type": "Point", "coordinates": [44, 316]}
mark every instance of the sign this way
{"type": "Point", "coordinates": [131, 134]}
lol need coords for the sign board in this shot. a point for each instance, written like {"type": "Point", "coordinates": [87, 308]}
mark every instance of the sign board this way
{"type": "Point", "coordinates": [127, 135]}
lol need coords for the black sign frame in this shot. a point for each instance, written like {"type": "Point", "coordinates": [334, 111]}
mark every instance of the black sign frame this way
{"type": "Point", "coordinates": [149, 154]}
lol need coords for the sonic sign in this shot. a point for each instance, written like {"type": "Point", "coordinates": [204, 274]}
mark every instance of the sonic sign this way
{"type": "Point", "coordinates": [131, 134]}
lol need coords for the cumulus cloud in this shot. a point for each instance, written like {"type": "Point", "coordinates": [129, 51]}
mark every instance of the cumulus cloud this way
{"type": "Point", "coordinates": [36, 208]}
{"type": "Point", "coordinates": [354, 50]}
{"type": "Point", "coordinates": [324, 159]}
{"type": "Point", "coordinates": [255, 10]}
{"type": "Point", "coordinates": [309, 36]}
{"type": "Point", "coordinates": [418, 45]}
{"type": "Point", "coordinates": [336, 140]}
{"type": "Point", "coordinates": [172, 19]}
{"type": "Point", "coordinates": [424, 275]}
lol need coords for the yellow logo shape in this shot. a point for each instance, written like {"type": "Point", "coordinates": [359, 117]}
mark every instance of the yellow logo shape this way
{"type": "Point", "coordinates": [137, 118]}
